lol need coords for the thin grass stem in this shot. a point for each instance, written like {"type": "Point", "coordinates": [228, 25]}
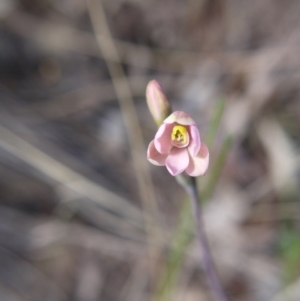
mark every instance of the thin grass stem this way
{"type": "Point", "coordinates": [208, 264]}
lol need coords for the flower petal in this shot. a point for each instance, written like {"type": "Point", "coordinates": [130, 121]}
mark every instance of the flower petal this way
{"type": "Point", "coordinates": [162, 139]}
{"type": "Point", "coordinates": [177, 161]}
{"type": "Point", "coordinates": [180, 117]}
{"type": "Point", "coordinates": [199, 164]}
{"type": "Point", "coordinates": [154, 156]}
{"type": "Point", "coordinates": [195, 143]}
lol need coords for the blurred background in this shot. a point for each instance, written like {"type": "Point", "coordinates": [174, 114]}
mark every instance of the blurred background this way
{"type": "Point", "coordinates": [83, 215]}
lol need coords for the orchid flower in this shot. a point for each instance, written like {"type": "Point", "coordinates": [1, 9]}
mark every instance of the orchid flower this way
{"type": "Point", "coordinates": [177, 146]}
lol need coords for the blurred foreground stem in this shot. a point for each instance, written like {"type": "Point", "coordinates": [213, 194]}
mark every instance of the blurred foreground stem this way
{"type": "Point", "coordinates": [130, 117]}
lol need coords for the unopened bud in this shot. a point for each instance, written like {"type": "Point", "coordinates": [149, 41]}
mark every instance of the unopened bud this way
{"type": "Point", "coordinates": [158, 104]}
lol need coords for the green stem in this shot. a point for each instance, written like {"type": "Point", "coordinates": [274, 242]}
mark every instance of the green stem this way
{"type": "Point", "coordinates": [190, 186]}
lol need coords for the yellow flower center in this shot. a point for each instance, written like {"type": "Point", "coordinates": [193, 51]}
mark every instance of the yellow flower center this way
{"type": "Point", "coordinates": [180, 134]}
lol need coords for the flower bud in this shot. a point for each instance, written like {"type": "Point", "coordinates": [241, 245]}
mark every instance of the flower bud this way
{"type": "Point", "coordinates": [158, 104]}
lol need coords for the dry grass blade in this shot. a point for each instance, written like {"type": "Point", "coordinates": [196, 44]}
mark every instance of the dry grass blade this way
{"type": "Point", "coordinates": [291, 293]}
{"type": "Point", "coordinates": [88, 97]}
{"type": "Point", "coordinates": [66, 176]}
{"type": "Point", "coordinates": [281, 156]}
{"type": "Point", "coordinates": [31, 277]}
{"type": "Point", "coordinates": [62, 37]}
{"type": "Point", "coordinates": [129, 113]}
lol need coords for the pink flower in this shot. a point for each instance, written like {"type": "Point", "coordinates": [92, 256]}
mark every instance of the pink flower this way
{"type": "Point", "coordinates": [177, 146]}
